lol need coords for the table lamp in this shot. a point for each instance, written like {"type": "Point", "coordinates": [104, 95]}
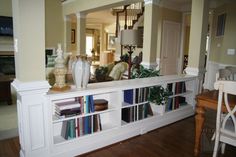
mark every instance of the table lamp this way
{"type": "Point", "coordinates": [130, 39]}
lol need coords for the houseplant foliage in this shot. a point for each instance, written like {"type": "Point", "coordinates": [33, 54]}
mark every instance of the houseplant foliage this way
{"type": "Point", "coordinates": [158, 95]}
{"type": "Point", "coordinates": [158, 98]}
{"type": "Point", "coordinates": [142, 72]}
{"type": "Point", "coordinates": [101, 73]}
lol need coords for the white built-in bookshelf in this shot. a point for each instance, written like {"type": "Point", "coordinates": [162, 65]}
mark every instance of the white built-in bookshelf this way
{"type": "Point", "coordinates": [129, 114]}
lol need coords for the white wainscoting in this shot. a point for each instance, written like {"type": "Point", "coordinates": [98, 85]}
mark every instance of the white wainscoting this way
{"type": "Point", "coordinates": [210, 76]}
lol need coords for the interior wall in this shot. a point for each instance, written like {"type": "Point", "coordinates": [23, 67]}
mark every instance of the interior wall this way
{"type": "Point", "coordinates": [219, 45]}
{"type": "Point", "coordinates": [53, 23]}
{"type": "Point", "coordinates": [73, 46]}
{"type": "Point", "coordinates": [6, 43]}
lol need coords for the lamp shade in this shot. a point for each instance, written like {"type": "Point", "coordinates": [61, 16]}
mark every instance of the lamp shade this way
{"type": "Point", "coordinates": [131, 37]}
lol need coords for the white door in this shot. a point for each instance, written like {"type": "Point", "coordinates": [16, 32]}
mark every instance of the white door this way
{"type": "Point", "coordinates": [170, 48]}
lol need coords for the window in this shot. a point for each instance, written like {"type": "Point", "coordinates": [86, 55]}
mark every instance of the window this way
{"type": "Point", "coordinates": [220, 24]}
{"type": "Point", "coordinates": [89, 45]}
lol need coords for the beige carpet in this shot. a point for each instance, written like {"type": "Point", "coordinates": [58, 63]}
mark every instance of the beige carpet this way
{"type": "Point", "coordinates": [8, 121]}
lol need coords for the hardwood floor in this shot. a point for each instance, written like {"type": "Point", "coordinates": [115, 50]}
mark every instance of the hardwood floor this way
{"type": "Point", "coordinates": [176, 140]}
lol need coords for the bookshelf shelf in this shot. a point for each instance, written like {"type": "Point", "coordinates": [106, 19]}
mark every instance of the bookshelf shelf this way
{"type": "Point", "coordinates": [182, 94]}
{"type": "Point", "coordinates": [126, 115]}
{"type": "Point", "coordinates": [57, 120]}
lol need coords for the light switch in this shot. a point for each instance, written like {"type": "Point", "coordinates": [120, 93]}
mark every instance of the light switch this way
{"type": "Point", "coordinates": [230, 51]}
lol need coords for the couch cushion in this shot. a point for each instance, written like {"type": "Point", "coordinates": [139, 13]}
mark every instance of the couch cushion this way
{"type": "Point", "coordinates": [118, 70]}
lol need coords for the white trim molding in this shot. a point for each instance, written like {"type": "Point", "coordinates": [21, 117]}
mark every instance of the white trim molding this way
{"type": "Point", "coordinates": [67, 1]}
{"type": "Point", "coordinates": [212, 69]}
{"type": "Point", "coordinates": [81, 15]}
{"type": "Point", "coordinates": [155, 2]}
{"type": "Point", "coordinates": [67, 18]}
{"type": "Point", "coordinates": [39, 86]}
{"type": "Point", "coordinates": [194, 71]}
{"type": "Point", "coordinates": [32, 114]}
{"type": "Point", "coordinates": [148, 65]}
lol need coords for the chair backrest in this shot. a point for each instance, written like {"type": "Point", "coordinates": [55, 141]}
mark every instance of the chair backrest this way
{"type": "Point", "coordinates": [224, 74]}
{"type": "Point", "coordinates": [232, 70]}
{"type": "Point", "coordinates": [227, 93]}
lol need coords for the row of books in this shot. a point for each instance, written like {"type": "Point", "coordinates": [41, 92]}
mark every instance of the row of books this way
{"type": "Point", "coordinates": [175, 102]}
{"type": "Point", "coordinates": [137, 95]}
{"type": "Point", "coordinates": [80, 126]}
{"type": "Point", "coordinates": [134, 113]}
{"type": "Point", "coordinates": [177, 87]}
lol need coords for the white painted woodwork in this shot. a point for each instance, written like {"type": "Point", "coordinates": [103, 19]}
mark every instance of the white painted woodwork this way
{"type": "Point", "coordinates": [212, 69]}
{"type": "Point", "coordinates": [40, 130]}
{"type": "Point", "coordinates": [32, 114]}
{"type": "Point", "coordinates": [225, 121]}
{"type": "Point", "coordinates": [170, 48]}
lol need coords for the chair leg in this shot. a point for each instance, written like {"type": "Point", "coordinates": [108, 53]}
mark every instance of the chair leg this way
{"type": "Point", "coordinates": [223, 148]}
{"type": "Point", "coordinates": [217, 138]}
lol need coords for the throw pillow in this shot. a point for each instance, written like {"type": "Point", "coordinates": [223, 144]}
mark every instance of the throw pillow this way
{"type": "Point", "coordinates": [118, 70]}
{"type": "Point", "coordinates": [51, 60]}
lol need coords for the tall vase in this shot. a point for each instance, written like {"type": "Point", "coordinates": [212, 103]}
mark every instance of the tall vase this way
{"type": "Point", "coordinates": [81, 72]}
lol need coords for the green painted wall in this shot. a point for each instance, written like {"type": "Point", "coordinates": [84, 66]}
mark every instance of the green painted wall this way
{"type": "Point", "coordinates": [53, 23]}
{"type": "Point", "coordinates": [219, 45]}
{"type": "Point", "coordinates": [6, 10]}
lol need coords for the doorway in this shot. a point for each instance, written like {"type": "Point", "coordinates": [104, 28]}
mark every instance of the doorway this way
{"type": "Point", "coordinates": [170, 48]}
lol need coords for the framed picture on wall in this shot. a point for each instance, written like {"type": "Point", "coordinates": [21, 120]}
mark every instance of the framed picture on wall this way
{"type": "Point", "coordinates": [221, 18]}
{"type": "Point", "coordinates": [72, 36]}
{"type": "Point", "coordinates": [111, 41]}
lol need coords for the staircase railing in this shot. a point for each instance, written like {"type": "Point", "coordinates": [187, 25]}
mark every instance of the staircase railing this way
{"type": "Point", "coordinates": [129, 14]}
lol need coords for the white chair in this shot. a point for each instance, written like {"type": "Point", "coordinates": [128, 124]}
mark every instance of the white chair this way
{"type": "Point", "coordinates": [225, 121]}
{"type": "Point", "coordinates": [224, 74]}
{"type": "Point", "coordinates": [233, 71]}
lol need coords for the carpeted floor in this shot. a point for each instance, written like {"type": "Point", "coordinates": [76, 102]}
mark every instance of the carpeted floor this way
{"type": "Point", "coordinates": [8, 121]}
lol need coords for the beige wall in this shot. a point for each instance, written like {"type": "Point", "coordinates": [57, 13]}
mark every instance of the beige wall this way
{"type": "Point", "coordinates": [73, 47]}
{"type": "Point", "coordinates": [53, 23]}
{"type": "Point", "coordinates": [219, 45]}
{"type": "Point", "coordinates": [6, 10]}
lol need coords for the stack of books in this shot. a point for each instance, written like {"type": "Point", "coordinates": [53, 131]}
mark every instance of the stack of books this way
{"type": "Point", "coordinates": [69, 108]}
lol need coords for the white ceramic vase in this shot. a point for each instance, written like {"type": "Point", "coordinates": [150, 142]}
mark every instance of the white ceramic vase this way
{"type": "Point", "coordinates": [81, 72]}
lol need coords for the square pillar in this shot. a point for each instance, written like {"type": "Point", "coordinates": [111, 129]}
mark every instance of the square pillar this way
{"type": "Point", "coordinates": [81, 33]}
{"type": "Point", "coordinates": [67, 34]}
{"type": "Point", "coordinates": [150, 33]}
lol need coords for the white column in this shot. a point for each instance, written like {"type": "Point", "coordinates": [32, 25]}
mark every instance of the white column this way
{"type": "Point", "coordinates": [29, 39]}
{"type": "Point", "coordinates": [81, 33]}
{"type": "Point", "coordinates": [30, 84]}
{"type": "Point", "coordinates": [197, 41]}
{"type": "Point", "coordinates": [33, 119]}
{"type": "Point", "coordinates": [150, 33]}
{"type": "Point", "coordinates": [67, 34]}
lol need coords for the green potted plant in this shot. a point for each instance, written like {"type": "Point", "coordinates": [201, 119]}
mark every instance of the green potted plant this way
{"type": "Point", "coordinates": [143, 72]}
{"type": "Point", "coordinates": [158, 98]}
{"type": "Point", "coordinates": [101, 73]}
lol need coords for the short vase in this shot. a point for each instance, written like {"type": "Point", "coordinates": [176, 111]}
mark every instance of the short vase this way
{"type": "Point", "coordinates": [160, 109]}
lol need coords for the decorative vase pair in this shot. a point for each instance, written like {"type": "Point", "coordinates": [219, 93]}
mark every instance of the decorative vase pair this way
{"type": "Point", "coordinates": [81, 72]}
